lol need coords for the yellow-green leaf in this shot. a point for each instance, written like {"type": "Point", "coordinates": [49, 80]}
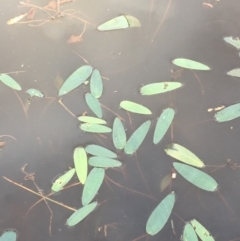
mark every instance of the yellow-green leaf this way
{"type": "Point", "coordinates": [184, 155]}
{"type": "Point", "coordinates": [103, 162]}
{"type": "Point", "coordinates": [190, 64]}
{"type": "Point", "coordinates": [160, 214]}
{"type": "Point", "coordinates": [234, 72]}
{"type": "Point", "coordinates": [80, 214]}
{"type": "Point", "coordinates": [135, 108]}
{"type": "Point", "coordinates": [158, 88]}
{"type": "Point", "coordinates": [92, 185]}
{"type": "Point", "coordinates": [63, 180]}
{"type": "Point", "coordinates": [95, 128]}
{"type": "Point", "coordinates": [75, 79]}
{"type": "Point", "coordinates": [118, 134]}
{"type": "Point", "coordinates": [166, 181]}
{"type": "Point", "coordinates": [34, 92]}
{"type": "Point", "coordinates": [91, 120]}
{"type": "Point", "coordinates": [233, 41]}
{"type": "Point", "coordinates": [80, 163]}
{"type": "Point", "coordinates": [10, 82]}
{"type": "Point", "coordinates": [96, 85]}
{"type": "Point", "coordinates": [196, 177]}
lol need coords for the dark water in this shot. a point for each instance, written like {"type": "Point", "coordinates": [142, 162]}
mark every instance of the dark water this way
{"type": "Point", "coordinates": [46, 134]}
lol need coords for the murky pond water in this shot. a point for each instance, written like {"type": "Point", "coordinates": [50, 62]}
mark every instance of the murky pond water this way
{"type": "Point", "coordinates": [37, 52]}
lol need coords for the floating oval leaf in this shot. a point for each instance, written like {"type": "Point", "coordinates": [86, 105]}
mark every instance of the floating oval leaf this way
{"type": "Point", "coordinates": [234, 72]}
{"type": "Point", "coordinates": [95, 128]}
{"type": "Point", "coordinates": [119, 134]}
{"type": "Point", "coordinates": [10, 82]}
{"type": "Point", "coordinates": [229, 113]}
{"type": "Point", "coordinates": [234, 42]}
{"type": "Point", "coordinates": [80, 163]}
{"type": "Point", "coordinates": [137, 138]}
{"type": "Point", "coordinates": [92, 185]}
{"type": "Point", "coordinates": [80, 214]}
{"type": "Point", "coordinates": [96, 150]}
{"type": "Point", "coordinates": [134, 107]}
{"type": "Point", "coordinates": [163, 123]}
{"type": "Point", "coordinates": [75, 79]}
{"type": "Point", "coordinates": [158, 88]}
{"type": "Point", "coordinates": [34, 92]}
{"type": "Point", "coordinates": [8, 235]}
{"type": "Point", "coordinates": [196, 177]}
{"type": "Point", "coordinates": [160, 214]}
{"type": "Point", "coordinates": [184, 155]}
{"type": "Point", "coordinates": [190, 64]}
{"type": "Point", "coordinates": [94, 105]}
{"type": "Point", "coordinates": [63, 180]}
{"type": "Point", "coordinates": [121, 22]}
{"type": "Point", "coordinates": [91, 120]}
{"type": "Point", "coordinates": [103, 162]}
{"type": "Point", "coordinates": [201, 231]}
{"type": "Point", "coordinates": [189, 233]}
{"type": "Point", "coordinates": [166, 181]}
{"type": "Point", "coordinates": [96, 85]}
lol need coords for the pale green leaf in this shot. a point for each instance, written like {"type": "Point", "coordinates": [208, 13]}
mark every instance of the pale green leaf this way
{"type": "Point", "coordinates": [163, 123]}
{"type": "Point", "coordinates": [10, 82]}
{"type": "Point", "coordinates": [34, 92]}
{"type": "Point", "coordinates": [91, 120]}
{"type": "Point", "coordinates": [201, 231]}
{"type": "Point", "coordinates": [190, 64]}
{"type": "Point", "coordinates": [137, 138]}
{"type": "Point", "coordinates": [189, 233]}
{"type": "Point", "coordinates": [75, 79]}
{"type": "Point", "coordinates": [80, 163]}
{"type": "Point", "coordinates": [196, 177]}
{"type": "Point", "coordinates": [132, 21]}
{"type": "Point", "coordinates": [96, 85]}
{"type": "Point", "coordinates": [8, 235]}
{"type": "Point", "coordinates": [94, 105]}
{"type": "Point", "coordinates": [92, 185]}
{"type": "Point", "coordinates": [135, 108]}
{"type": "Point", "coordinates": [160, 214]}
{"type": "Point", "coordinates": [158, 88]}
{"type": "Point", "coordinates": [95, 128]}
{"type": "Point", "coordinates": [80, 214]}
{"type": "Point", "coordinates": [103, 162]}
{"type": "Point", "coordinates": [234, 72]}
{"type": "Point", "coordinates": [63, 180]}
{"type": "Point", "coordinates": [229, 113]}
{"type": "Point", "coordinates": [96, 150]}
{"type": "Point", "coordinates": [166, 181]}
{"type": "Point", "coordinates": [118, 134]}
{"type": "Point", "coordinates": [184, 155]}
{"type": "Point", "coordinates": [233, 41]}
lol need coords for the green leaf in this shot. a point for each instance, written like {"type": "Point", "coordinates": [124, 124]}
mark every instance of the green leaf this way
{"type": "Point", "coordinates": [120, 22]}
{"type": "Point", "coordinates": [189, 233]}
{"type": "Point", "coordinates": [184, 155]}
{"type": "Point", "coordinates": [8, 235]}
{"type": "Point", "coordinates": [96, 150]}
{"type": "Point", "coordinates": [160, 214]}
{"type": "Point", "coordinates": [34, 92]}
{"type": "Point", "coordinates": [166, 181]}
{"type": "Point", "coordinates": [158, 88]}
{"type": "Point", "coordinates": [105, 162]}
{"type": "Point", "coordinates": [10, 82]}
{"type": "Point", "coordinates": [201, 231]}
{"type": "Point", "coordinates": [75, 79]}
{"type": "Point", "coordinates": [91, 120]}
{"type": "Point", "coordinates": [96, 85]}
{"type": "Point", "coordinates": [80, 214]}
{"type": "Point", "coordinates": [163, 123]}
{"type": "Point", "coordinates": [137, 138]}
{"type": "Point", "coordinates": [94, 105]}
{"type": "Point", "coordinates": [196, 177]}
{"type": "Point", "coordinates": [119, 134]}
{"type": "Point", "coordinates": [135, 108]}
{"type": "Point", "coordinates": [63, 180]}
{"type": "Point", "coordinates": [95, 128]}
{"type": "Point", "coordinates": [80, 163]}
{"type": "Point", "coordinates": [190, 64]}
{"type": "Point", "coordinates": [234, 42]}
{"type": "Point", "coordinates": [92, 185]}
{"type": "Point", "coordinates": [229, 113]}
{"type": "Point", "coordinates": [234, 72]}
